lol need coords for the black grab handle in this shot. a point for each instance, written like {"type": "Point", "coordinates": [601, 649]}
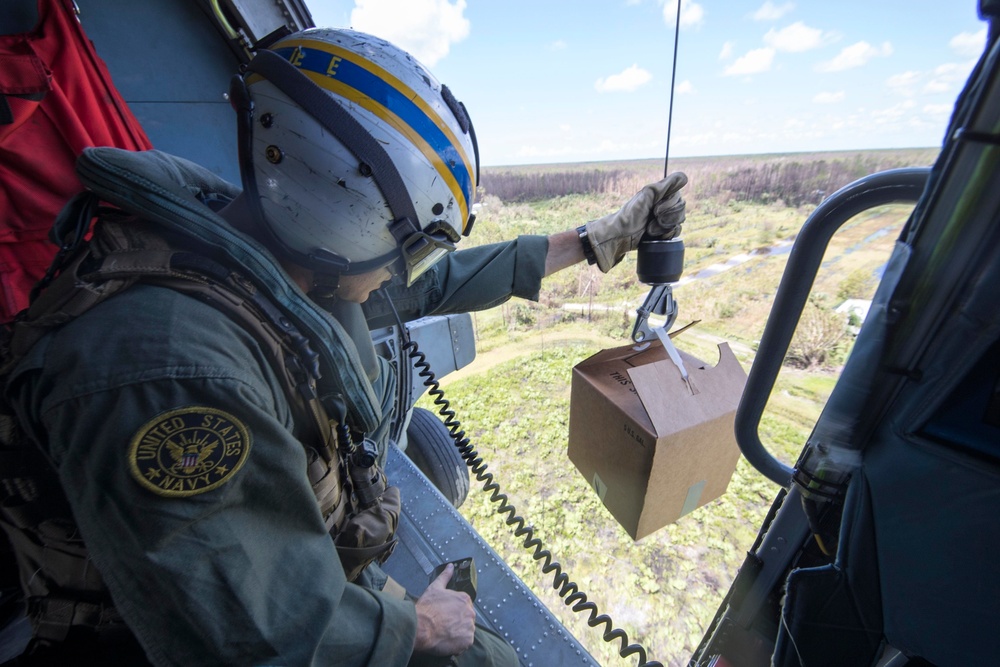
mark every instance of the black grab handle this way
{"type": "Point", "coordinates": [887, 187]}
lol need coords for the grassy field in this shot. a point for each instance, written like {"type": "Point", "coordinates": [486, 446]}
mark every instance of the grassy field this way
{"type": "Point", "coordinates": [663, 590]}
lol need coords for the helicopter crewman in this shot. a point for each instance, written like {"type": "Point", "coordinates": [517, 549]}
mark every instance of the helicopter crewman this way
{"type": "Point", "coordinates": [200, 412]}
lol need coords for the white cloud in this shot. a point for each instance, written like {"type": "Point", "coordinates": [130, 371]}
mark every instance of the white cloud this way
{"type": "Point", "coordinates": [685, 87]}
{"type": "Point", "coordinates": [605, 147]}
{"type": "Point", "coordinates": [625, 81]}
{"type": "Point", "coordinates": [609, 146]}
{"type": "Point", "coordinates": [772, 12]}
{"type": "Point", "coordinates": [626, 145]}
{"type": "Point", "coordinates": [558, 45]}
{"type": "Point", "coordinates": [727, 51]}
{"type": "Point", "coordinates": [946, 78]}
{"type": "Point", "coordinates": [939, 110]}
{"type": "Point", "coordinates": [892, 115]}
{"type": "Point", "coordinates": [904, 83]}
{"type": "Point", "coordinates": [827, 97]}
{"type": "Point", "coordinates": [935, 86]}
{"type": "Point", "coordinates": [752, 62]}
{"type": "Point", "coordinates": [969, 44]}
{"type": "Point", "coordinates": [536, 152]}
{"type": "Point", "coordinates": [692, 13]}
{"type": "Point", "coordinates": [829, 128]}
{"type": "Point", "coordinates": [424, 28]}
{"type": "Point", "coordinates": [796, 38]}
{"type": "Point", "coordinates": [855, 55]}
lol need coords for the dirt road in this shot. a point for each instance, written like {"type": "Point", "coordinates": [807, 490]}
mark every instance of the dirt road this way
{"type": "Point", "coordinates": [484, 361]}
{"type": "Point", "coordinates": [539, 340]}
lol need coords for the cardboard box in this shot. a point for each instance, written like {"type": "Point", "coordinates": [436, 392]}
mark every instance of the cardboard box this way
{"type": "Point", "coordinates": [652, 447]}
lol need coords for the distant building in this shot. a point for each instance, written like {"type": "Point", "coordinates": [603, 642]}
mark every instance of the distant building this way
{"type": "Point", "coordinates": [858, 308]}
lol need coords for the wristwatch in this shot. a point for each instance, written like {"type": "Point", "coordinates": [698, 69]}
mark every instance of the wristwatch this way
{"type": "Point", "coordinates": [588, 248]}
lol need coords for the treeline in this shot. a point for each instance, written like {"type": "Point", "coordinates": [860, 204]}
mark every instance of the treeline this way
{"type": "Point", "coordinates": [522, 186]}
{"type": "Point", "coordinates": [794, 180]}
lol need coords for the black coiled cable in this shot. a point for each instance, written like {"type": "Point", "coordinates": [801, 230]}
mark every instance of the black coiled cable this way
{"type": "Point", "coordinates": [572, 596]}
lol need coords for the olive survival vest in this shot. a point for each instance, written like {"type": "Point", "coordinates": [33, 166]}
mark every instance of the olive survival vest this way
{"type": "Point", "coordinates": [62, 587]}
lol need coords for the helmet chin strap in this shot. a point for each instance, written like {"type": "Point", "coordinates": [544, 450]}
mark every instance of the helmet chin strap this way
{"type": "Point", "coordinates": [324, 290]}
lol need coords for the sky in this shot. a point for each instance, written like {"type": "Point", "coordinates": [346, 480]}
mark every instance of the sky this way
{"type": "Point", "coordinates": [549, 81]}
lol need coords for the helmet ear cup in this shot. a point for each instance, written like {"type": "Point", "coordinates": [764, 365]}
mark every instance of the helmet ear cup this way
{"type": "Point", "coordinates": [465, 122]}
{"type": "Point", "coordinates": [457, 108]}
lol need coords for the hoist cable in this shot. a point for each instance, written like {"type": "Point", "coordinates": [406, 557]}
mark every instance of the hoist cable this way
{"type": "Point", "coordinates": [673, 78]}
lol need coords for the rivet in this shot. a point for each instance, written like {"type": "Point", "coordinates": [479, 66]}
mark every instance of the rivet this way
{"type": "Point", "coordinates": [267, 120]}
{"type": "Point", "coordinates": [273, 154]}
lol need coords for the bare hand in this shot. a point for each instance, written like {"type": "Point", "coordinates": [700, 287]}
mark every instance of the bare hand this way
{"type": "Point", "coordinates": [446, 620]}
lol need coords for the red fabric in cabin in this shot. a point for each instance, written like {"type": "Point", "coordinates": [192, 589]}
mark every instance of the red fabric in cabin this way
{"type": "Point", "coordinates": [61, 100]}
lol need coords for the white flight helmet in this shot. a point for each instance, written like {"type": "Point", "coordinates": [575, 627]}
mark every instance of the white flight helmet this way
{"type": "Point", "coordinates": [353, 155]}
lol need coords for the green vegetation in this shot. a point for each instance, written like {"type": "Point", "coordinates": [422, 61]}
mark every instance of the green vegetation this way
{"type": "Point", "coordinates": [514, 401]}
{"type": "Point", "coordinates": [793, 179]}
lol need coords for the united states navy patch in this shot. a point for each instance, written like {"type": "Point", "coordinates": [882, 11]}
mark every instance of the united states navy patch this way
{"type": "Point", "coordinates": [188, 451]}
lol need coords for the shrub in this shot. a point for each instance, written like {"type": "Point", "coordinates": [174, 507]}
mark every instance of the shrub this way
{"type": "Point", "coordinates": [818, 336]}
{"type": "Point", "coordinates": [859, 284]}
{"type": "Point", "coordinates": [523, 316]}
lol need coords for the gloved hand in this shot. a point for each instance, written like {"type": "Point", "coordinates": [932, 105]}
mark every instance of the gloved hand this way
{"type": "Point", "coordinates": [658, 208]}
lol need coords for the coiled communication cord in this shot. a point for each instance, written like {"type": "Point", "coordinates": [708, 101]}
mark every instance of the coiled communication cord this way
{"type": "Point", "coordinates": [572, 596]}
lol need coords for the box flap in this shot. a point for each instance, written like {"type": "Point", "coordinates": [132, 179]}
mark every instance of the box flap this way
{"type": "Point", "coordinates": [669, 401]}
{"type": "Point", "coordinates": [608, 376]}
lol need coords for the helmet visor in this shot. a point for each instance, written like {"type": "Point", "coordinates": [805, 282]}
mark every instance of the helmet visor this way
{"type": "Point", "coordinates": [422, 250]}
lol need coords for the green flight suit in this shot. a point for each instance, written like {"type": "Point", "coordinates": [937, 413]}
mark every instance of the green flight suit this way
{"type": "Point", "coordinates": [237, 568]}
{"type": "Point", "coordinates": [467, 280]}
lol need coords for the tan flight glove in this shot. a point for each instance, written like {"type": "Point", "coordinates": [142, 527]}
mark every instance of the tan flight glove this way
{"type": "Point", "coordinates": [657, 208]}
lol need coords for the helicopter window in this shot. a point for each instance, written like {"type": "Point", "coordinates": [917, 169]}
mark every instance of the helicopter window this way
{"type": "Point", "coordinates": [846, 279]}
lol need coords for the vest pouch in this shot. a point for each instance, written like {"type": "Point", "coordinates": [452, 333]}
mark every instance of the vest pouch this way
{"type": "Point", "coordinates": [326, 485]}
{"type": "Point", "coordinates": [368, 535]}
{"type": "Point", "coordinates": [65, 556]}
